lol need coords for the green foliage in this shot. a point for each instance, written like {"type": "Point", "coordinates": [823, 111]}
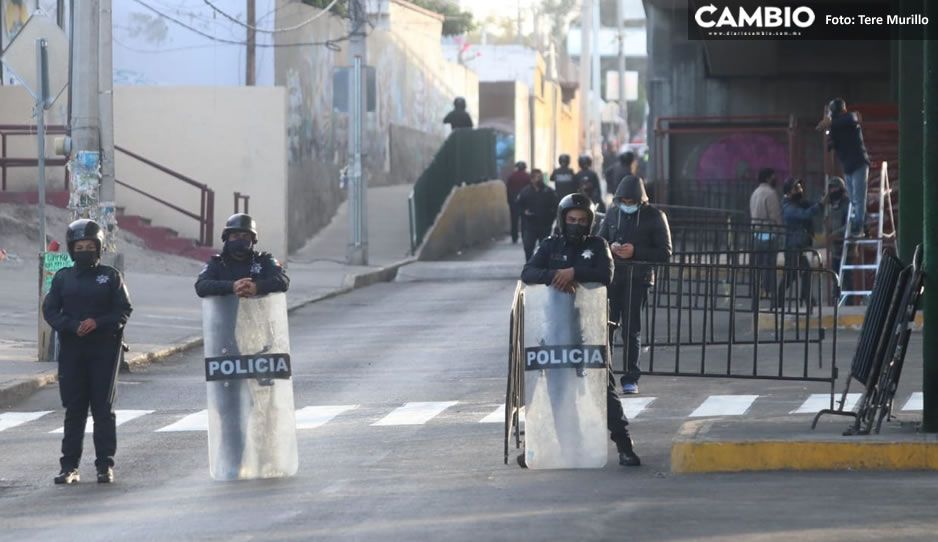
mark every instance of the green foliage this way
{"type": "Point", "coordinates": [340, 8]}
{"type": "Point", "coordinates": [456, 21]}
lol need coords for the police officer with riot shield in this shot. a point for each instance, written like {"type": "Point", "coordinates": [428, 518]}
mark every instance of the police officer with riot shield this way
{"type": "Point", "coordinates": [573, 256]}
{"type": "Point", "coordinates": [245, 273]}
{"type": "Point", "coordinates": [88, 306]}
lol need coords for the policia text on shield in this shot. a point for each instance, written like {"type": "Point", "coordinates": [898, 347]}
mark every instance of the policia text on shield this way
{"type": "Point", "coordinates": [88, 306]}
{"type": "Point", "coordinates": [251, 419]}
{"type": "Point", "coordinates": [577, 266]}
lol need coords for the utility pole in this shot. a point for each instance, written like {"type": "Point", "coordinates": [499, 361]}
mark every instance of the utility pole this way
{"type": "Point", "coordinates": [107, 204]}
{"type": "Point", "coordinates": [596, 72]}
{"type": "Point", "coordinates": [930, 234]}
{"type": "Point", "coordinates": [586, 108]}
{"type": "Point", "coordinates": [357, 250]}
{"type": "Point", "coordinates": [250, 72]}
{"type": "Point", "coordinates": [84, 82]}
{"type": "Point", "coordinates": [623, 102]}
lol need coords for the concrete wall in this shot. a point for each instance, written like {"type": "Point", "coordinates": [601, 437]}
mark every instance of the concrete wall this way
{"type": "Point", "coordinates": [472, 214]}
{"type": "Point", "coordinates": [230, 138]}
{"type": "Point", "coordinates": [543, 124]}
{"type": "Point", "coordinates": [415, 90]}
{"type": "Point", "coordinates": [16, 107]}
{"type": "Point", "coordinates": [757, 78]}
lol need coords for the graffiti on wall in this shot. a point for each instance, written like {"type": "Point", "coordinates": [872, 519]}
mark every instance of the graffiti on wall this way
{"type": "Point", "coordinates": [740, 157]}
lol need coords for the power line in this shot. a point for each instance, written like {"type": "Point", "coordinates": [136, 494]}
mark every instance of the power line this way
{"type": "Point", "coordinates": [332, 44]}
{"type": "Point", "coordinates": [275, 30]}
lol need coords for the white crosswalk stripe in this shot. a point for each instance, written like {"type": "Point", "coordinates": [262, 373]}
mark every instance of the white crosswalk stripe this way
{"type": "Point", "coordinates": [312, 417]}
{"type": "Point", "coordinates": [9, 420]}
{"type": "Point", "coordinates": [497, 416]}
{"type": "Point", "coordinates": [915, 402]}
{"type": "Point", "coordinates": [724, 405]}
{"type": "Point", "coordinates": [415, 413]}
{"type": "Point", "coordinates": [819, 401]}
{"type": "Point", "coordinates": [420, 413]}
{"type": "Point", "coordinates": [123, 416]}
{"type": "Point", "coordinates": [197, 421]}
{"type": "Point", "coordinates": [634, 406]}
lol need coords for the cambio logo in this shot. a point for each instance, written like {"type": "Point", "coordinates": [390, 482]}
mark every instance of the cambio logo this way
{"type": "Point", "coordinates": [760, 17]}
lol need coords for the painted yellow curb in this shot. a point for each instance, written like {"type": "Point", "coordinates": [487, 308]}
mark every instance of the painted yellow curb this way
{"type": "Point", "coordinates": [844, 321]}
{"type": "Point", "coordinates": [700, 455]}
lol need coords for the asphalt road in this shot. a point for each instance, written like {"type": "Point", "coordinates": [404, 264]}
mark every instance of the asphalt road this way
{"type": "Point", "coordinates": [441, 477]}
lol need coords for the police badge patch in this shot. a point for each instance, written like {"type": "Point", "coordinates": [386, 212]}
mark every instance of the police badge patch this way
{"type": "Point", "coordinates": [587, 254]}
{"type": "Point", "coordinates": [255, 268]}
{"type": "Point", "coordinates": [103, 279]}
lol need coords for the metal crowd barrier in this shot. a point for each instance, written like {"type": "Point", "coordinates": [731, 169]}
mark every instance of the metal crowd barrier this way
{"type": "Point", "coordinates": [709, 237]}
{"type": "Point", "coordinates": [877, 363]}
{"type": "Point", "coordinates": [514, 395]}
{"type": "Point", "coordinates": [714, 319]}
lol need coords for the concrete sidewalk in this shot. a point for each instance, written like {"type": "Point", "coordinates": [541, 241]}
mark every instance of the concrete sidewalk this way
{"type": "Point", "coordinates": [167, 314]}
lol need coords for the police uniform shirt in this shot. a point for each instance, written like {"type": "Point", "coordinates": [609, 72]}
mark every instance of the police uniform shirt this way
{"type": "Point", "coordinates": [77, 294]}
{"type": "Point", "coordinates": [220, 273]}
{"type": "Point", "coordinates": [591, 261]}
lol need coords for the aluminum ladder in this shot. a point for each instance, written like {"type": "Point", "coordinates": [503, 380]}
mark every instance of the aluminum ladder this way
{"type": "Point", "coordinates": [852, 246]}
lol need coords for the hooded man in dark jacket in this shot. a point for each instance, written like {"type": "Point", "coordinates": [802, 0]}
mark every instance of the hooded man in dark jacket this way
{"type": "Point", "coordinates": [636, 231]}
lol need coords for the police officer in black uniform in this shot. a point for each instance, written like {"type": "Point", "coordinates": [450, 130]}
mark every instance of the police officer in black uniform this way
{"type": "Point", "coordinates": [537, 203]}
{"type": "Point", "coordinates": [588, 182]}
{"type": "Point", "coordinates": [88, 306]}
{"type": "Point", "coordinates": [566, 258]}
{"type": "Point", "coordinates": [563, 177]}
{"type": "Point", "coordinates": [242, 271]}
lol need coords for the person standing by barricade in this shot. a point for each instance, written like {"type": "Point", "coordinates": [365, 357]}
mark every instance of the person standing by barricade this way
{"type": "Point", "coordinates": [765, 212]}
{"type": "Point", "coordinates": [799, 235]}
{"type": "Point", "coordinates": [636, 231]}
{"type": "Point", "coordinates": [515, 183]}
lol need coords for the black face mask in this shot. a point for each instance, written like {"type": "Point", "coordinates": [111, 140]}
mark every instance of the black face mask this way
{"type": "Point", "coordinates": [796, 197]}
{"type": "Point", "coordinates": [85, 259]}
{"type": "Point", "coordinates": [836, 195]}
{"type": "Point", "coordinates": [239, 248]}
{"type": "Point", "coordinates": [576, 233]}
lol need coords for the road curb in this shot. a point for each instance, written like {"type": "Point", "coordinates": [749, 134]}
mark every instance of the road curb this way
{"type": "Point", "coordinates": [844, 321]}
{"type": "Point", "coordinates": [17, 390]}
{"type": "Point", "coordinates": [693, 451]}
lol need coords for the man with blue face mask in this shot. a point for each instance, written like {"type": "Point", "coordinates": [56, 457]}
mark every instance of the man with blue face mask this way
{"type": "Point", "coordinates": [637, 232]}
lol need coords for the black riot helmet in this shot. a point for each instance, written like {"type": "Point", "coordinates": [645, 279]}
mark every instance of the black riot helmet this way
{"type": "Point", "coordinates": [564, 160]}
{"type": "Point", "coordinates": [84, 230]}
{"type": "Point", "coordinates": [459, 103]}
{"type": "Point", "coordinates": [585, 161]}
{"type": "Point", "coordinates": [239, 222]}
{"type": "Point", "coordinates": [570, 202]}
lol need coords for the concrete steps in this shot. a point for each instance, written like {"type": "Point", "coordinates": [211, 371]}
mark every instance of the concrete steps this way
{"type": "Point", "coordinates": [158, 238]}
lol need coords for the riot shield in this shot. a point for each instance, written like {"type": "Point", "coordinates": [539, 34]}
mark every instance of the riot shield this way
{"type": "Point", "coordinates": [565, 378]}
{"type": "Point", "coordinates": [251, 417]}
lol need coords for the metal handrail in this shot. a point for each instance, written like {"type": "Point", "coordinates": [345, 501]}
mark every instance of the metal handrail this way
{"type": "Point", "coordinates": [206, 215]}
{"type": "Point", "coordinates": [25, 130]}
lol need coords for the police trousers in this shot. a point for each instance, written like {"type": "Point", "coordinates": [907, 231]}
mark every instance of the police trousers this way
{"type": "Point", "coordinates": [88, 379]}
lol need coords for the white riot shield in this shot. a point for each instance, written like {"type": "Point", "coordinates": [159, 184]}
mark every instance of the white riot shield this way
{"type": "Point", "coordinates": [248, 372]}
{"type": "Point", "coordinates": [565, 378]}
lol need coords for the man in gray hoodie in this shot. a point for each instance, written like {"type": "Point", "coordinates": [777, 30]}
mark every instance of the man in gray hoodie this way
{"type": "Point", "coordinates": [636, 232]}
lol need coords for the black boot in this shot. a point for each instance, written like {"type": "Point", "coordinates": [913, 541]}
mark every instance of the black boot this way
{"type": "Point", "coordinates": [627, 456]}
{"type": "Point", "coordinates": [105, 475]}
{"type": "Point", "coordinates": [67, 476]}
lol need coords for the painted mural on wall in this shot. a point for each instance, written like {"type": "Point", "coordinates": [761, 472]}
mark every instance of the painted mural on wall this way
{"type": "Point", "coordinates": [733, 157]}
